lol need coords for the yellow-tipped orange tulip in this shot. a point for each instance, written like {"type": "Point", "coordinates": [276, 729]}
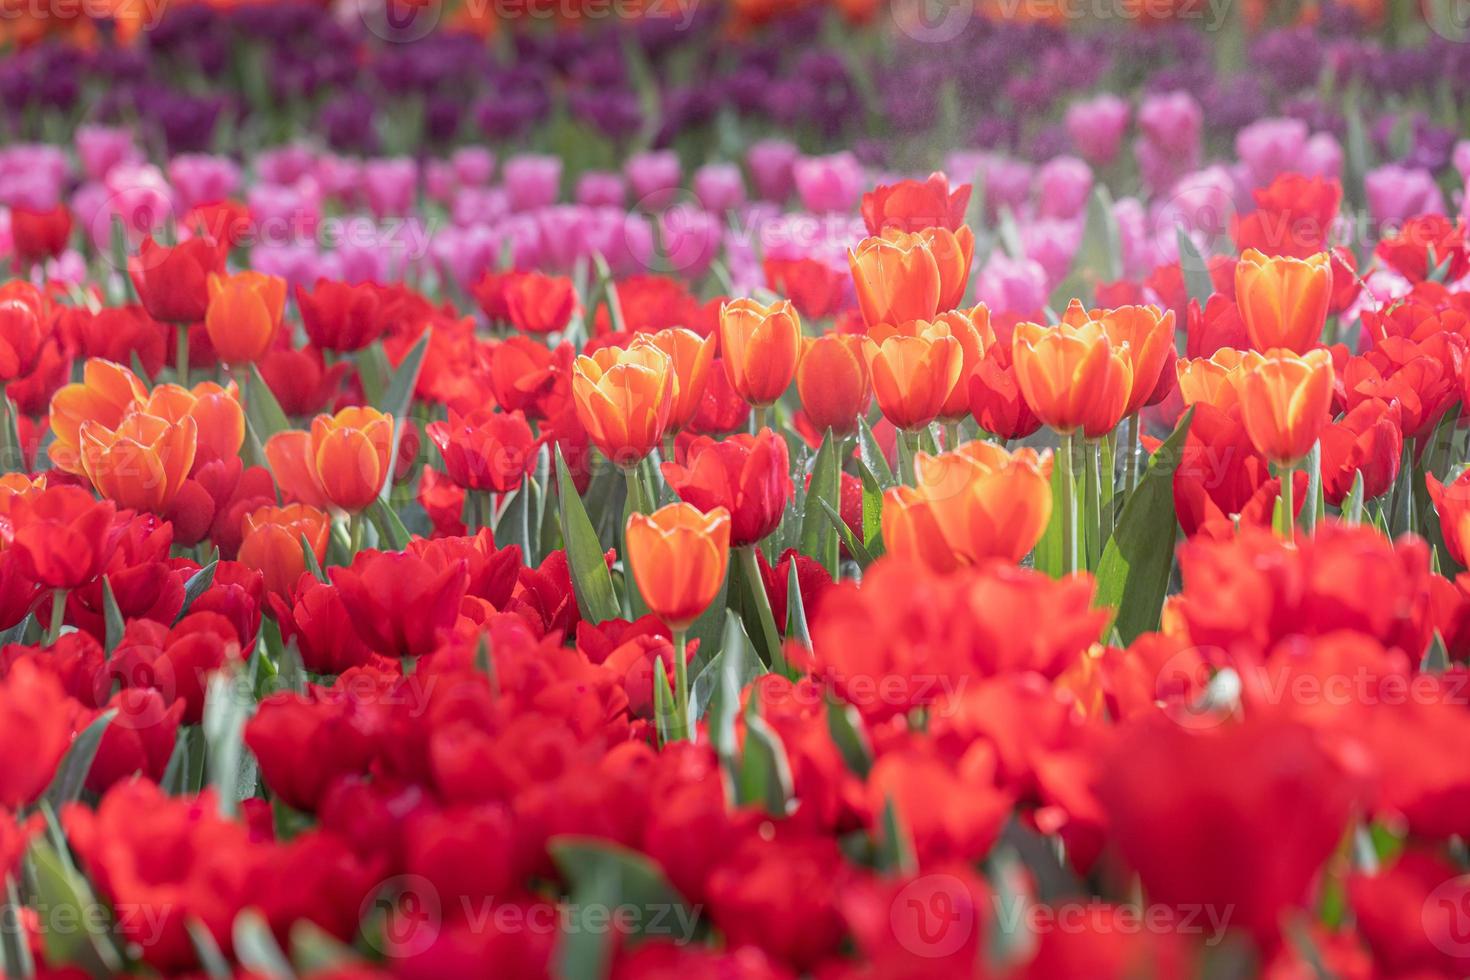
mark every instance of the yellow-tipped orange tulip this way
{"type": "Point", "coordinates": [244, 314]}
{"type": "Point", "coordinates": [896, 278]}
{"type": "Point", "coordinates": [691, 357]}
{"type": "Point", "coordinates": [954, 252]}
{"type": "Point", "coordinates": [1072, 375]}
{"type": "Point", "coordinates": [1215, 379]}
{"type": "Point", "coordinates": [915, 366]}
{"type": "Point", "coordinates": [678, 556]}
{"type": "Point", "coordinates": [623, 399]}
{"type": "Point", "coordinates": [272, 543]}
{"type": "Point", "coordinates": [106, 393]}
{"type": "Point", "coordinates": [759, 346]}
{"type": "Point", "coordinates": [140, 464]}
{"type": "Point", "coordinates": [1148, 336]}
{"type": "Point", "coordinates": [833, 383]}
{"type": "Point", "coordinates": [1285, 401]}
{"type": "Point", "coordinates": [977, 503]}
{"type": "Point", "coordinates": [13, 487]}
{"type": "Point", "coordinates": [215, 410]}
{"type": "Point", "coordinates": [342, 462]}
{"type": "Point", "coordinates": [1283, 301]}
{"type": "Point", "coordinates": [972, 329]}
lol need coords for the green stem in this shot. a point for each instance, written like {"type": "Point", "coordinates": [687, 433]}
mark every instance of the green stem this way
{"type": "Point", "coordinates": [12, 457]}
{"type": "Point", "coordinates": [181, 354]}
{"type": "Point", "coordinates": [951, 436]}
{"type": "Point", "coordinates": [762, 413]}
{"type": "Point", "coordinates": [1134, 451]}
{"type": "Point", "coordinates": [683, 727]}
{"type": "Point", "coordinates": [668, 448]}
{"type": "Point", "coordinates": [355, 526]}
{"type": "Point", "coordinates": [1107, 465]}
{"type": "Point", "coordinates": [750, 571]}
{"type": "Point", "coordinates": [1092, 503]}
{"type": "Point", "coordinates": [58, 616]}
{"type": "Point", "coordinates": [907, 452]}
{"type": "Point", "coordinates": [1069, 504]}
{"type": "Point", "coordinates": [1286, 515]}
{"type": "Point", "coordinates": [635, 502]}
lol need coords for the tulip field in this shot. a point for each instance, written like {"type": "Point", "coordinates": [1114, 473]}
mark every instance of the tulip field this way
{"type": "Point", "coordinates": [735, 489]}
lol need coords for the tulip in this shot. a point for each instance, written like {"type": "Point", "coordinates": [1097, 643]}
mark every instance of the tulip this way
{"type": "Point", "coordinates": [215, 411]}
{"type": "Point", "coordinates": [342, 462]}
{"type": "Point", "coordinates": [272, 544]}
{"type": "Point", "coordinates": [65, 537]}
{"type": "Point", "coordinates": [977, 503]}
{"type": "Point", "coordinates": [25, 323]}
{"type": "Point", "coordinates": [678, 557]}
{"type": "Point", "coordinates": [896, 277]}
{"type": "Point", "coordinates": [1285, 401]}
{"type": "Point", "coordinates": [1147, 336]}
{"type": "Point", "coordinates": [691, 357]}
{"type": "Point", "coordinates": [39, 235]}
{"type": "Point", "coordinates": [1452, 503]}
{"type": "Point", "coordinates": [913, 205]}
{"type": "Point", "coordinates": [540, 304]}
{"type": "Point", "coordinates": [1072, 375]}
{"type": "Point", "coordinates": [623, 399]}
{"type": "Point", "coordinates": [1215, 380]}
{"type": "Point", "coordinates": [398, 602]}
{"type": "Point", "coordinates": [341, 316]}
{"type": "Point", "coordinates": [106, 393]}
{"type": "Point", "coordinates": [172, 283]}
{"type": "Point", "coordinates": [244, 314]}
{"type": "Point", "coordinates": [485, 450]}
{"type": "Point", "coordinates": [972, 329]}
{"type": "Point", "coordinates": [760, 346]}
{"type": "Point", "coordinates": [995, 397]}
{"type": "Point", "coordinates": [142, 463]}
{"type": "Point", "coordinates": [915, 367]}
{"type": "Point", "coordinates": [1283, 301]}
{"type": "Point", "coordinates": [1367, 441]}
{"type": "Point", "coordinates": [954, 253]}
{"type": "Point", "coordinates": [748, 476]}
{"type": "Point", "coordinates": [833, 383]}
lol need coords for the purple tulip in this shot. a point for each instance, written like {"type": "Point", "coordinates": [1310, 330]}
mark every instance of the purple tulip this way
{"type": "Point", "coordinates": [771, 162]}
{"type": "Point", "coordinates": [828, 184]}
{"type": "Point", "coordinates": [719, 187]}
{"type": "Point", "coordinates": [601, 189]}
{"type": "Point", "coordinates": [532, 181]}
{"type": "Point", "coordinates": [1063, 185]}
{"type": "Point", "coordinates": [1096, 127]}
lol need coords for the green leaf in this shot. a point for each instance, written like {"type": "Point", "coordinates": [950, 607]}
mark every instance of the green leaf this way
{"type": "Point", "coordinates": [112, 617]}
{"type": "Point", "coordinates": [1352, 504]}
{"type": "Point", "coordinates": [257, 949]}
{"type": "Point", "coordinates": [1133, 575]}
{"type": "Point", "coordinates": [1099, 257]}
{"type": "Point", "coordinates": [1196, 270]}
{"type": "Point", "coordinates": [312, 565]}
{"type": "Point", "coordinates": [390, 526]}
{"type": "Point", "coordinates": [213, 962]}
{"type": "Point", "coordinates": [314, 950]}
{"type": "Point", "coordinates": [1314, 506]}
{"type": "Point", "coordinates": [197, 585]}
{"type": "Point", "coordinates": [818, 538]}
{"type": "Point", "coordinates": [664, 710]}
{"type": "Point", "coordinates": [895, 843]}
{"type": "Point", "coordinates": [856, 548]}
{"type": "Point", "coordinates": [764, 778]}
{"type": "Point", "coordinates": [71, 774]}
{"type": "Point", "coordinates": [399, 396]}
{"type": "Point", "coordinates": [717, 686]}
{"type": "Point", "coordinates": [17, 633]}
{"type": "Point", "coordinates": [1047, 556]}
{"type": "Point", "coordinates": [871, 456]}
{"type": "Point", "coordinates": [796, 624]}
{"type": "Point", "coordinates": [591, 581]}
{"type": "Point", "coordinates": [71, 930]}
{"type": "Point", "coordinates": [872, 508]}
{"type": "Point", "coordinates": [226, 709]}
{"type": "Point", "coordinates": [846, 728]}
{"type": "Point", "coordinates": [262, 411]}
{"type": "Point", "coordinates": [513, 526]}
{"type": "Point", "coordinates": [15, 950]}
{"type": "Point", "coordinates": [602, 877]}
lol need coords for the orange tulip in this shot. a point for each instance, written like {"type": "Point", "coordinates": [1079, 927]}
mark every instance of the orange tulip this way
{"type": "Point", "coordinates": [977, 503]}
{"type": "Point", "coordinates": [1282, 300]}
{"type": "Point", "coordinates": [972, 329]}
{"type": "Point", "coordinates": [1285, 401]}
{"type": "Point", "coordinates": [954, 252]}
{"type": "Point", "coordinates": [1215, 379]}
{"type": "Point", "coordinates": [342, 462]}
{"type": "Point", "coordinates": [678, 556]}
{"type": "Point", "coordinates": [915, 368]}
{"type": "Point", "coordinates": [13, 487]}
{"type": "Point", "coordinates": [691, 356]}
{"type": "Point", "coordinates": [623, 399]}
{"type": "Point", "coordinates": [1072, 375]}
{"type": "Point", "coordinates": [142, 462]}
{"type": "Point", "coordinates": [106, 393]}
{"type": "Point", "coordinates": [272, 543]}
{"type": "Point", "coordinates": [833, 382]}
{"type": "Point", "coordinates": [1148, 336]}
{"type": "Point", "coordinates": [759, 346]}
{"type": "Point", "coordinates": [896, 278]}
{"type": "Point", "coordinates": [215, 410]}
{"type": "Point", "coordinates": [244, 314]}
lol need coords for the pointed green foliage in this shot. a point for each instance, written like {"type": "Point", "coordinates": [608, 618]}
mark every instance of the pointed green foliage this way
{"type": "Point", "coordinates": [591, 581]}
{"type": "Point", "coordinates": [71, 774]}
{"type": "Point", "coordinates": [1196, 270]}
{"type": "Point", "coordinates": [1133, 574]}
{"type": "Point", "coordinates": [112, 617]}
{"type": "Point", "coordinates": [398, 397]}
{"type": "Point", "coordinates": [198, 584]}
{"type": "Point", "coordinates": [818, 537]}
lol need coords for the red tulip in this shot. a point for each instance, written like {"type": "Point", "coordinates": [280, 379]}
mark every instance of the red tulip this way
{"type": "Point", "coordinates": [747, 475]}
